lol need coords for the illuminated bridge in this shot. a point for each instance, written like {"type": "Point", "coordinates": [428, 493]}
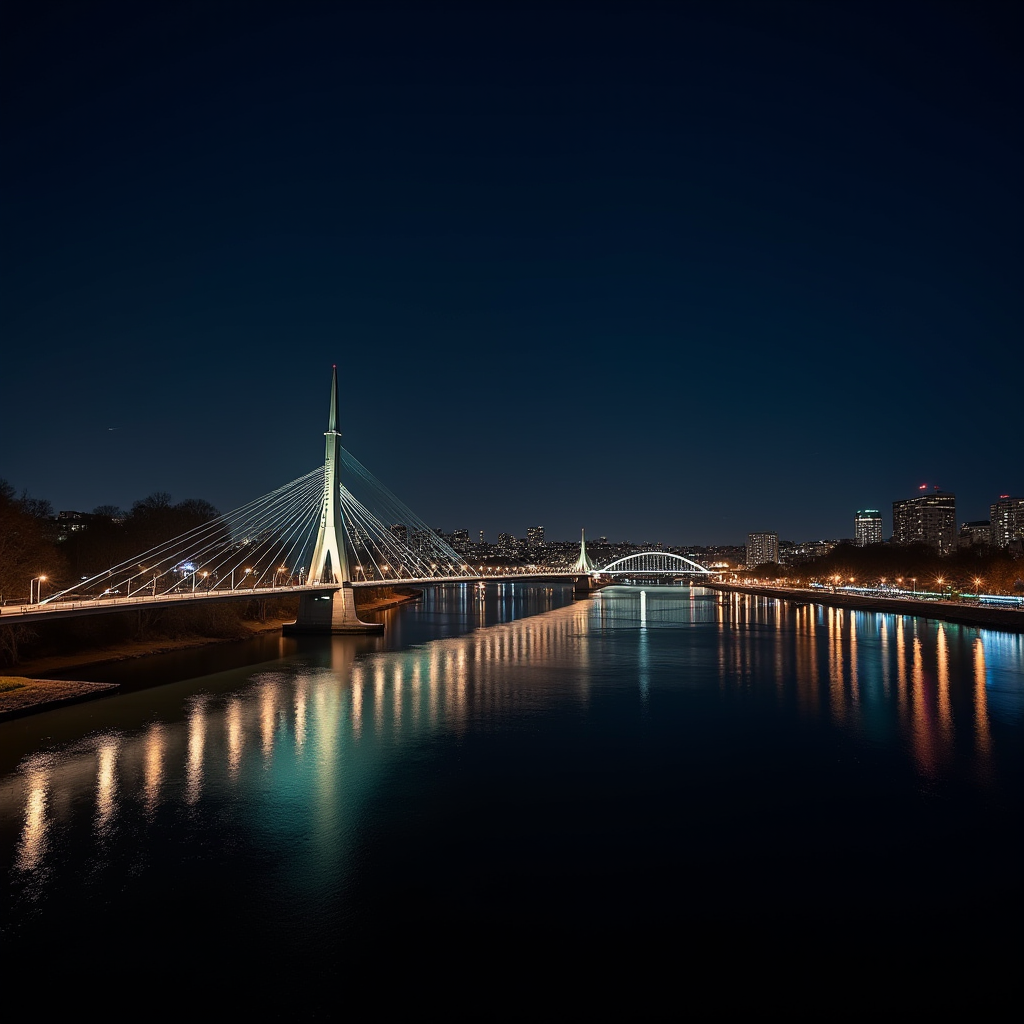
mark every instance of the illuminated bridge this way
{"type": "Point", "coordinates": [317, 536]}
{"type": "Point", "coordinates": [653, 565]}
{"type": "Point", "coordinates": [320, 536]}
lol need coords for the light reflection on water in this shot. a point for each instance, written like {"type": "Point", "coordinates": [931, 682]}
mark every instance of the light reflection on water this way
{"type": "Point", "coordinates": [303, 745]}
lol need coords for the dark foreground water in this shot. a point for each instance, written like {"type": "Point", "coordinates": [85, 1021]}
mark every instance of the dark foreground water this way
{"type": "Point", "coordinates": [514, 786]}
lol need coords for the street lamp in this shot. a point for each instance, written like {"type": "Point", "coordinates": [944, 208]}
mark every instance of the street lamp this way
{"type": "Point", "coordinates": [977, 588]}
{"type": "Point", "coordinates": [38, 581]}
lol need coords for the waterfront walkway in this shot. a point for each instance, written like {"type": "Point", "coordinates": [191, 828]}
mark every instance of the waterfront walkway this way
{"type": "Point", "coordinates": [965, 613]}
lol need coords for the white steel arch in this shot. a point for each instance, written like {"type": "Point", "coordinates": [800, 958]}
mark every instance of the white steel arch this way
{"type": "Point", "coordinates": [655, 562]}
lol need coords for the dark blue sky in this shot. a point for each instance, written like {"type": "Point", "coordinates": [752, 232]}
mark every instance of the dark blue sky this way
{"type": "Point", "coordinates": [672, 273]}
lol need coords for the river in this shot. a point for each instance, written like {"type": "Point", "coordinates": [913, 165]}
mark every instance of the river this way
{"type": "Point", "coordinates": [508, 776]}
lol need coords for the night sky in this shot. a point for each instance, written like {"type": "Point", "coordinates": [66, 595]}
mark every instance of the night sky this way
{"type": "Point", "coordinates": [672, 273]}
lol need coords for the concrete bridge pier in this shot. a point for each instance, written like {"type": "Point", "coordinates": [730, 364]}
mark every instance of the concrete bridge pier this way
{"type": "Point", "coordinates": [583, 586]}
{"type": "Point", "coordinates": [330, 611]}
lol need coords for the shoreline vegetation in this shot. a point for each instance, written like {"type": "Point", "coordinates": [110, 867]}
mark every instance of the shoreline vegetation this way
{"type": "Point", "coordinates": [28, 690]}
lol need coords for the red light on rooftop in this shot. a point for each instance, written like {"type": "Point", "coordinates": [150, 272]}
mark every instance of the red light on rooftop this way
{"type": "Point", "coordinates": [1003, 495]}
{"type": "Point", "coordinates": [923, 487]}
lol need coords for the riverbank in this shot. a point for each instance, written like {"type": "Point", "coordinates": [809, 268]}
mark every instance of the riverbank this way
{"type": "Point", "coordinates": [39, 667]}
{"type": "Point", "coordinates": [37, 693]}
{"type": "Point", "coordinates": [1004, 619]}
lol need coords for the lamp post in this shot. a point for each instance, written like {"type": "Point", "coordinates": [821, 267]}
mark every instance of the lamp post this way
{"type": "Point", "coordinates": [977, 588]}
{"type": "Point", "coordinates": [36, 583]}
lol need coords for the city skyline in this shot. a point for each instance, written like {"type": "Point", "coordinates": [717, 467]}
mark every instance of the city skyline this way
{"type": "Point", "coordinates": [678, 276]}
{"type": "Point", "coordinates": [1006, 516]}
{"type": "Point", "coordinates": [874, 532]}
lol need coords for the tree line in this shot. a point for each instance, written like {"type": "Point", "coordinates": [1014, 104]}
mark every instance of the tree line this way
{"type": "Point", "coordinates": [33, 543]}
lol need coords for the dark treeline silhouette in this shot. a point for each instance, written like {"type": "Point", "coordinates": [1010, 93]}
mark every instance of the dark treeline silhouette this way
{"type": "Point", "coordinates": [32, 543]}
{"type": "Point", "coordinates": [111, 536]}
{"type": "Point", "coordinates": [28, 547]}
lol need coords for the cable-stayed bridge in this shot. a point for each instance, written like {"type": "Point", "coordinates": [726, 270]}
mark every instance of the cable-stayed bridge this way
{"type": "Point", "coordinates": [320, 536]}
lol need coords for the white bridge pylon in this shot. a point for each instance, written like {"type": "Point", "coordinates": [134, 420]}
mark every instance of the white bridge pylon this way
{"type": "Point", "coordinates": [335, 610]}
{"type": "Point", "coordinates": [584, 563]}
{"type": "Point", "coordinates": [654, 563]}
{"type": "Point", "coordinates": [330, 537]}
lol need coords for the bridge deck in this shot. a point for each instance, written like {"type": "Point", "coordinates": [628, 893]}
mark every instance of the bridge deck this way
{"type": "Point", "coordinates": [67, 608]}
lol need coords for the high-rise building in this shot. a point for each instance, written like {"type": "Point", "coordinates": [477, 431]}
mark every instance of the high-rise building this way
{"type": "Point", "coordinates": [1007, 518]}
{"type": "Point", "coordinates": [535, 536]}
{"type": "Point", "coordinates": [400, 531]}
{"type": "Point", "coordinates": [762, 548]}
{"type": "Point", "coordinates": [929, 519]}
{"type": "Point", "coordinates": [867, 527]}
{"type": "Point", "coordinates": [507, 545]}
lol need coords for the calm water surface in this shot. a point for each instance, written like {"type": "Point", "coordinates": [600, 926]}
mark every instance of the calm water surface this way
{"type": "Point", "coordinates": [513, 775]}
